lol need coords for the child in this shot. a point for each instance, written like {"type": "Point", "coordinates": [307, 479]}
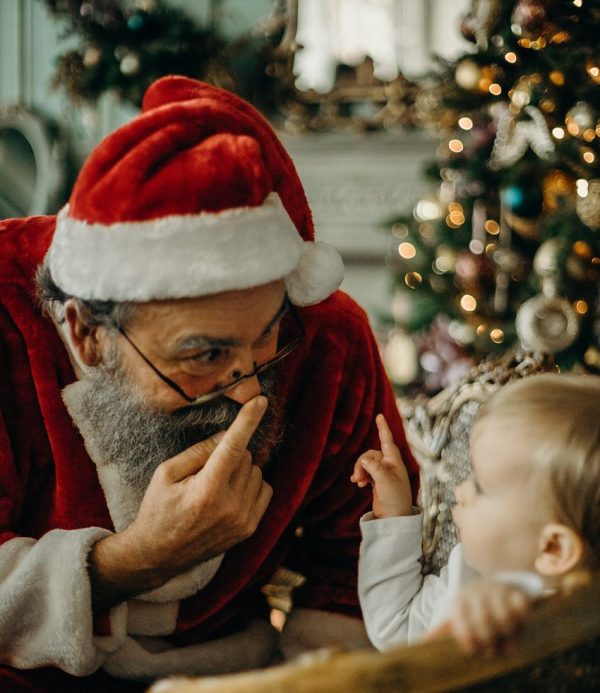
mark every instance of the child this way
{"type": "Point", "coordinates": [528, 514]}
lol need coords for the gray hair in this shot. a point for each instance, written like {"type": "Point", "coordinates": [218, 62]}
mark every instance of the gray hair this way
{"type": "Point", "coordinates": [111, 314]}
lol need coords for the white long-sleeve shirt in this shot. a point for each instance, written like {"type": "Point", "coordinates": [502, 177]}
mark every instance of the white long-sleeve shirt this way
{"type": "Point", "coordinates": [399, 604]}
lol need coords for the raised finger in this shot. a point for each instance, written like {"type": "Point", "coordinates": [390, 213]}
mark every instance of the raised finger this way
{"type": "Point", "coordinates": [388, 447]}
{"type": "Point", "coordinates": [230, 449]}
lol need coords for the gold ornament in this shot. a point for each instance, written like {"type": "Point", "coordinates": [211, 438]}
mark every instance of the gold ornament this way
{"type": "Point", "coordinates": [400, 358]}
{"type": "Point", "coordinates": [92, 56]}
{"type": "Point", "coordinates": [559, 189]}
{"type": "Point", "coordinates": [467, 74]}
{"type": "Point", "coordinates": [587, 204]}
{"type": "Point", "coordinates": [591, 358]}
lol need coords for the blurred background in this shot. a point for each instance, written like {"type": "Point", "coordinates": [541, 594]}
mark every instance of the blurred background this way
{"type": "Point", "coordinates": [449, 148]}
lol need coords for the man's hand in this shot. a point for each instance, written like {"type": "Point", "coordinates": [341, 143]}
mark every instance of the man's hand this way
{"type": "Point", "coordinates": [197, 505]}
{"type": "Point", "coordinates": [385, 471]}
{"type": "Point", "coordinates": [486, 615]}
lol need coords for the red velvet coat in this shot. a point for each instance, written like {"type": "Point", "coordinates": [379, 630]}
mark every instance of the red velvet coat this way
{"type": "Point", "coordinates": [332, 388]}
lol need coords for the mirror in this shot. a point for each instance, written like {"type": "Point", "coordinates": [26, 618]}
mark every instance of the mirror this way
{"type": "Point", "coordinates": [32, 164]}
{"type": "Point", "coordinates": [353, 64]}
{"type": "Point", "coordinates": [341, 64]}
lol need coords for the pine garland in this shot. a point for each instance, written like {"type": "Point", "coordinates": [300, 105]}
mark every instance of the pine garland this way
{"type": "Point", "coordinates": [124, 47]}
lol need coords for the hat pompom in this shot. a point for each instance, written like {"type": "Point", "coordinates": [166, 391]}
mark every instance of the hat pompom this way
{"type": "Point", "coordinates": [318, 274]}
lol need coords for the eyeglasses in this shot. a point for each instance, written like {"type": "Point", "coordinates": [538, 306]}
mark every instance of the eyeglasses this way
{"type": "Point", "coordinates": [280, 354]}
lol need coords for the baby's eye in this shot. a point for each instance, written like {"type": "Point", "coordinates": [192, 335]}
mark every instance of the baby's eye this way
{"type": "Point", "coordinates": [476, 486]}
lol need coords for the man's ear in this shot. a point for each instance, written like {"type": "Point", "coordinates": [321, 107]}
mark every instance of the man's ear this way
{"type": "Point", "coordinates": [83, 336]}
{"type": "Point", "coordinates": [560, 550]}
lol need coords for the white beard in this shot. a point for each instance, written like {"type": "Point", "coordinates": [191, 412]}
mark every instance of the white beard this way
{"type": "Point", "coordinates": [119, 424]}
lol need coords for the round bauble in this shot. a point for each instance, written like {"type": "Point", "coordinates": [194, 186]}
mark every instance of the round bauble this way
{"type": "Point", "coordinates": [130, 64]}
{"type": "Point", "coordinates": [400, 358]}
{"type": "Point", "coordinates": [469, 269]}
{"type": "Point", "coordinates": [547, 256]}
{"type": "Point", "coordinates": [588, 207]}
{"type": "Point", "coordinates": [91, 56]}
{"type": "Point", "coordinates": [547, 324]}
{"type": "Point", "coordinates": [522, 206]}
{"type": "Point", "coordinates": [558, 190]}
{"type": "Point", "coordinates": [582, 115]}
{"type": "Point", "coordinates": [467, 27]}
{"type": "Point", "coordinates": [523, 199]}
{"type": "Point", "coordinates": [467, 74]}
{"type": "Point", "coordinates": [529, 19]}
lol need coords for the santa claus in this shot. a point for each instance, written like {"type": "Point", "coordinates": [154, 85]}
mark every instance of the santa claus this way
{"type": "Point", "coordinates": [183, 395]}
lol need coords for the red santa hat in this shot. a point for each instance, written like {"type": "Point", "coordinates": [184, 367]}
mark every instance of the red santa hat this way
{"type": "Point", "coordinates": [195, 196]}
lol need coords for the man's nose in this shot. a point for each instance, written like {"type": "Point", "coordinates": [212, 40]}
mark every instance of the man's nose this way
{"type": "Point", "coordinates": [247, 388]}
{"type": "Point", "coordinates": [245, 391]}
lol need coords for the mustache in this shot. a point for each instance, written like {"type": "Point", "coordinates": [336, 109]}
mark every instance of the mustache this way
{"type": "Point", "coordinates": [211, 417]}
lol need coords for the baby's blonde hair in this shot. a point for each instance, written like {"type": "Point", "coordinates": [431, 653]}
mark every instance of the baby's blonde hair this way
{"type": "Point", "coordinates": [560, 414]}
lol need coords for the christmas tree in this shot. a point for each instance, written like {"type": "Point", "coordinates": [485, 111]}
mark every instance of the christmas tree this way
{"type": "Point", "coordinates": [506, 249]}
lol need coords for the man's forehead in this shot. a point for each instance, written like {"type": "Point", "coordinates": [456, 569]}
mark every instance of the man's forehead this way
{"type": "Point", "coordinates": [224, 314]}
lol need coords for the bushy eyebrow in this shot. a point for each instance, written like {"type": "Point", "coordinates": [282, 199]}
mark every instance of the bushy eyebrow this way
{"type": "Point", "coordinates": [206, 342]}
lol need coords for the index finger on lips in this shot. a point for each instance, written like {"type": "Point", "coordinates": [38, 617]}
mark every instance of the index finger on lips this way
{"type": "Point", "coordinates": [232, 446]}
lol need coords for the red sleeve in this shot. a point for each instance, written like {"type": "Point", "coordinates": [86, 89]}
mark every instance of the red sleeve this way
{"type": "Point", "coordinates": [327, 552]}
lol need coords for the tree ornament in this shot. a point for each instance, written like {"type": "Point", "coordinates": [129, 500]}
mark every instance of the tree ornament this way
{"type": "Point", "coordinates": [510, 262]}
{"type": "Point", "coordinates": [467, 74]}
{"type": "Point", "coordinates": [591, 358]}
{"type": "Point", "coordinates": [130, 64]}
{"type": "Point", "coordinates": [92, 56]}
{"type": "Point", "coordinates": [479, 23]}
{"type": "Point", "coordinates": [529, 19]}
{"type": "Point", "coordinates": [587, 204]}
{"type": "Point", "coordinates": [514, 137]}
{"type": "Point", "coordinates": [400, 358]}
{"type": "Point", "coordinates": [559, 190]}
{"type": "Point", "coordinates": [546, 260]}
{"type": "Point", "coordinates": [136, 21]}
{"type": "Point", "coordinates": [117, 40]}
{"type": "Point", "coordinates": [547, 323]}
{"type": "Point", "coordinates": [579, 118]}
{"type": "Point", "coordinates": [469, 270]}
{"type": "Point", "coordinates": [522, 203]}
{"type": "Point", "coordinates": [467, 29]}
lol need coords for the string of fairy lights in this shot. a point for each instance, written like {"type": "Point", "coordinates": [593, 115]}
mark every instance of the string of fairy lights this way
{"type": "Point", "coordinates": [506, 251]}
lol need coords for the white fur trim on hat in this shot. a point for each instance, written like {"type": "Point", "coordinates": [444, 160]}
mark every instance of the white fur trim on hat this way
{"type": "Point", "coordinates": [189, 255]}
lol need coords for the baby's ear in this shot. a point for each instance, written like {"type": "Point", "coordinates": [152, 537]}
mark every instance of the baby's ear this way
{"type": "Point", "coordinates": [560, 550]}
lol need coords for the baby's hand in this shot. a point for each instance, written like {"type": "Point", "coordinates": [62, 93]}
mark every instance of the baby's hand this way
{"type": "Point", "coordinates": [386, 473]}
{"type": "Point", "coordinates": [486, 615]}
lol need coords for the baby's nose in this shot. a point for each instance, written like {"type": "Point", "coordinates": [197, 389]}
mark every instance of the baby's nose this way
{"type": "Point", "coordinates": [459, 492]}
